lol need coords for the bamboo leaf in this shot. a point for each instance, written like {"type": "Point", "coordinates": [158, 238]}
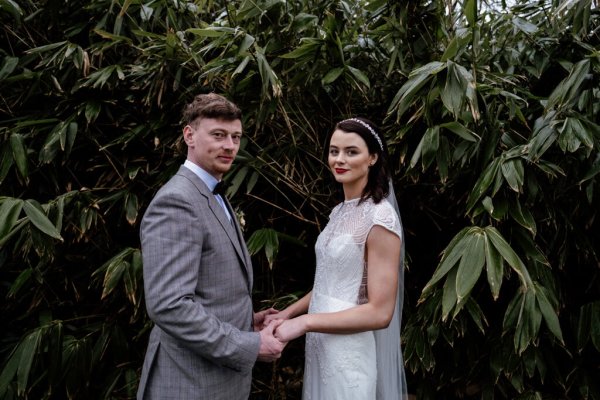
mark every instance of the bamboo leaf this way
{"type": "Point", "coordinates": [494, 268]}
{"type": "Point", "coordinates": [431, 144]}
{"type": "Point", "coordinates": [583, 326]}
{"type": "Point", "coordinates": [483, 183]}
{"type": "Point", "coordinates": [19, 154]}
{"type": "Point", "coordinates": [39, 219]}
{"type": "Point", "coordinates": [113, 276]}
{"type": "Point", "coordinates": [476, 314]}
{"type": "Point", "coordinates": [416, 80]}
{"type": "Point", "coordinates": [417, 154]}
{"type": "Point", "coordinates": [471, 265]}
{"type": "Point", "coordinates": [453, 93]}
{"type": "Point", "coordinates": [359, 75]}
{"type": "Point", "coordinates": [23, 278]}
{"type": "Point", "coordinates": [595, 324]}
{"type": "Point", "coordinates": [449, 294]}
{"type": "Point", "coordinates": [10, 368]}
{"type": "Point", "coordinates": [8, 66]}
{"type": "Point", "coordinates": [131, 208]}
{"type": "Point", "coordinates": [523, 331]}
{"type": "Point", "coordinates": [585, 135]}
{"type": "Point", "coordinates": [509, 255]}
{"type": "Point", "coordinates": [549, 313]}
{"type": "Point", "coordinates": [30, 348]}
{"type": "Point", "coordinates": [266, 239]}
{"type": "Point", "coordinates": [570, 87]}
{"type": "Point", "coordinates": [9, 213]}
{"type": "Point", "coordinates": [452, 253]}
{"type": "Point", "coordinates": [332, 75]}
{"type": "Point", "coordinates": [514, 173]}
{"type": "Point", "coordinates": [6, 161]}
{"type": "Point", "coordinates": [461, 131]}
{"type": "Point", "coordinates": [523, 216]}
{"type": "Point", "coordinates": [511, 315]}
{"type": "Point", "coordinates": [470, 11]}
{"type": "Point", "coordinates": [308, 48]}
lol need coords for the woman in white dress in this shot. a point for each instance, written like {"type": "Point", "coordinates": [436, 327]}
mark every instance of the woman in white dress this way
{"type": "Point", "coordinates": [352, 316]}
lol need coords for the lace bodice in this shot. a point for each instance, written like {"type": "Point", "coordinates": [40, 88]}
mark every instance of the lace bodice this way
{"type": "Point", "coordinates": [343, 367]}
{"type": "Point", "coordinates": [340, 248]}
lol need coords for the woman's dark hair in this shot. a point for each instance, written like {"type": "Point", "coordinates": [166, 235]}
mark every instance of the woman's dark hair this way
{"type": "Point", "coordinates": [378, 183]}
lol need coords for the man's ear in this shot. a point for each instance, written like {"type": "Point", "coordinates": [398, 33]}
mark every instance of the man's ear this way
{"type": "Point", "coordinates": [188, 134]}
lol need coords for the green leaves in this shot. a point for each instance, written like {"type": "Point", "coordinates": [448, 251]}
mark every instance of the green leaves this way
{"type": "Point", "coordinates": [266, 239]}
{"type": "Point", "coordinates": [462, 263]}
{"type": "Point", "coordinates": [124, 269]}
{"type": "Point", "coordinates": [10, 210]}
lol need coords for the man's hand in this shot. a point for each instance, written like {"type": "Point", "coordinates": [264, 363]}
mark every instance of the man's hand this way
{"type": "Point", "coordinates": [270, 347]}
{"type": "Point", "coordinates": [260, 318]}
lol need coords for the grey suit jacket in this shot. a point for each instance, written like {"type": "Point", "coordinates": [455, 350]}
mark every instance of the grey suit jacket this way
{"type": "Point", "coordinates": [198, 285]}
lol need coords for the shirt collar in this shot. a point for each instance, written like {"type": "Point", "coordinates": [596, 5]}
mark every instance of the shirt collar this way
{"type": "Point", "coordinates": [207, 178]}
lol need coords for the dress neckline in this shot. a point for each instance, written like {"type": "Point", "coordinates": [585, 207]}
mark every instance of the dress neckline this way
{"type": "Point", "coordinates": [354, 200]}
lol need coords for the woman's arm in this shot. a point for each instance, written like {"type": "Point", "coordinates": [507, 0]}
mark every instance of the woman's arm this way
{"type": "Point", "coordinates": [297, 308]}
{"type": "Point", "coordinates": [383, 255]}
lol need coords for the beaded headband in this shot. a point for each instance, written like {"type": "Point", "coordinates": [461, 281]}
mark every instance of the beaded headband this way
{"type": "Point", "coordinates": [375, 135]}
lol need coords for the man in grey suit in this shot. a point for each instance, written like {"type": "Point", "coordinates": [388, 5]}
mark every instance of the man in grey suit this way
{"type": "Point", "coordinates": [198, 274]}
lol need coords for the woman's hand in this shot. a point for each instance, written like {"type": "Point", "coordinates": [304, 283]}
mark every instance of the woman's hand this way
{"type": "Point", "coordinates": [291, 329]}
{"type": "Point", "coordinates": [277, 315]}
{"type": "Point", "coordinates": [262, 318]}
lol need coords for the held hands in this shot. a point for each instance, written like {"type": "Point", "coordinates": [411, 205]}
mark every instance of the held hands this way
{"type": "Point", "coordinates": [276, 330]}
{"type": "Point", "coordinates": [270, 346]}
{"type": "Point", "coordinates": [291, 329]}
{"type": "Point", "coordinates": [263, 318]}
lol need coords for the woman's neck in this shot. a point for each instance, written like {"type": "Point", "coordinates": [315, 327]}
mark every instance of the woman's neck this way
{"type": "Point", "coordinates": [352, 192]}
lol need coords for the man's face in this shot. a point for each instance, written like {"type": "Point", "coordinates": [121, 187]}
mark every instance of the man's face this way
{"type": "Point", "coordinates": [213, 144]}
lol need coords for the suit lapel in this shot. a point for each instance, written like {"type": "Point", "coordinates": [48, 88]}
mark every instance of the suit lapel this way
{"type": "Point", "coordinates": [233, 231]}
{"type": "Point", "coordinates": [241, 243]}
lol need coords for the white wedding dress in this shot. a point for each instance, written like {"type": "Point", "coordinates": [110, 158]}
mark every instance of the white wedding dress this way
{"type": "Point", "coordinates": [344, 366]}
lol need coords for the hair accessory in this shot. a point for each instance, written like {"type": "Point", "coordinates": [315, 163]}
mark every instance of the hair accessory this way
{"type": "Point", "coordinates": [370, 130]}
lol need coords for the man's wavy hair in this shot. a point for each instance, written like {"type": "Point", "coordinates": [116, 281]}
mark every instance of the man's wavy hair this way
{"type": "Point", "coordinates": [210, 105]}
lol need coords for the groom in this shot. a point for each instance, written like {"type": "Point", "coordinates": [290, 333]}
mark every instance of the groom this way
{"type": "Point", "coordinates": [198, 274]}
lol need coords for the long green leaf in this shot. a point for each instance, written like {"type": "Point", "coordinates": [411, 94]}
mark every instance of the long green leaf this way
{"type": "Point", "coordinates": [523, 217]}
{"type": "Point", "coordinates": [19, 154]}
{"type": "Point", "coordinates": [523, 331]}
{"type": "Point", "coordinates": [549, 313]}
{"type": "Point", "coordinates": [37, 217]}
{"type": "Point", "coordinates": [494, 267]}
{"type": "Point", "coordinates": [30, 349]}
{"type": "Point", "coordinates": [453, 93]}
{"type": "Point", "coordinates": [509, 255]}
{"type": "Point", "coordinates": [9, 213]}
{"type": "Point", "coordinates": [514, 173]}
{"type": "Point", "coordinates": [471, 265]}
{"type": "Point", "coordinates": [452, 253]}
{"type": "Point", "coordinates": [460, 130]}
{"type": "Point", "coordinates": [483, 183]}
{"type": "Point", "coordinates": [449, 294]}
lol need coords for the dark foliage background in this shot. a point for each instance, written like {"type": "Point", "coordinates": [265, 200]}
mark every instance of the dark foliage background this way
{"type": "Point", "coordinates": [492, 115]}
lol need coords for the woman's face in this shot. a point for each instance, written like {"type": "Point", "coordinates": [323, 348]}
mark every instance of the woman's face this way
{"type": "Point", "coordinates": [349, 159]}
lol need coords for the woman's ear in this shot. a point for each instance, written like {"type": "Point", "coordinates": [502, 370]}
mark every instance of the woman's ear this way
{"type": "Point", "coordinates": [374, 158]}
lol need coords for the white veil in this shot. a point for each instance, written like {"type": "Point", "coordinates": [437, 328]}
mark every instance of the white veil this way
{"type": "Point", "coordinates": [391, 378]}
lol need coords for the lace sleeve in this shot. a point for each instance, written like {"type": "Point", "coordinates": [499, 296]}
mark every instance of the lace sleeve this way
{"type": "Point", "coordinates": [386, 216]}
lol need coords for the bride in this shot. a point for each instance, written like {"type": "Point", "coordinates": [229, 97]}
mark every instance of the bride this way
{"type": "Point", "coordinates": [352, 316]}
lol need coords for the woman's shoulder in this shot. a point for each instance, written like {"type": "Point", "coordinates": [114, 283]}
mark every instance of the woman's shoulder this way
{"type": "Point", "coordinates": [384, 214]}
